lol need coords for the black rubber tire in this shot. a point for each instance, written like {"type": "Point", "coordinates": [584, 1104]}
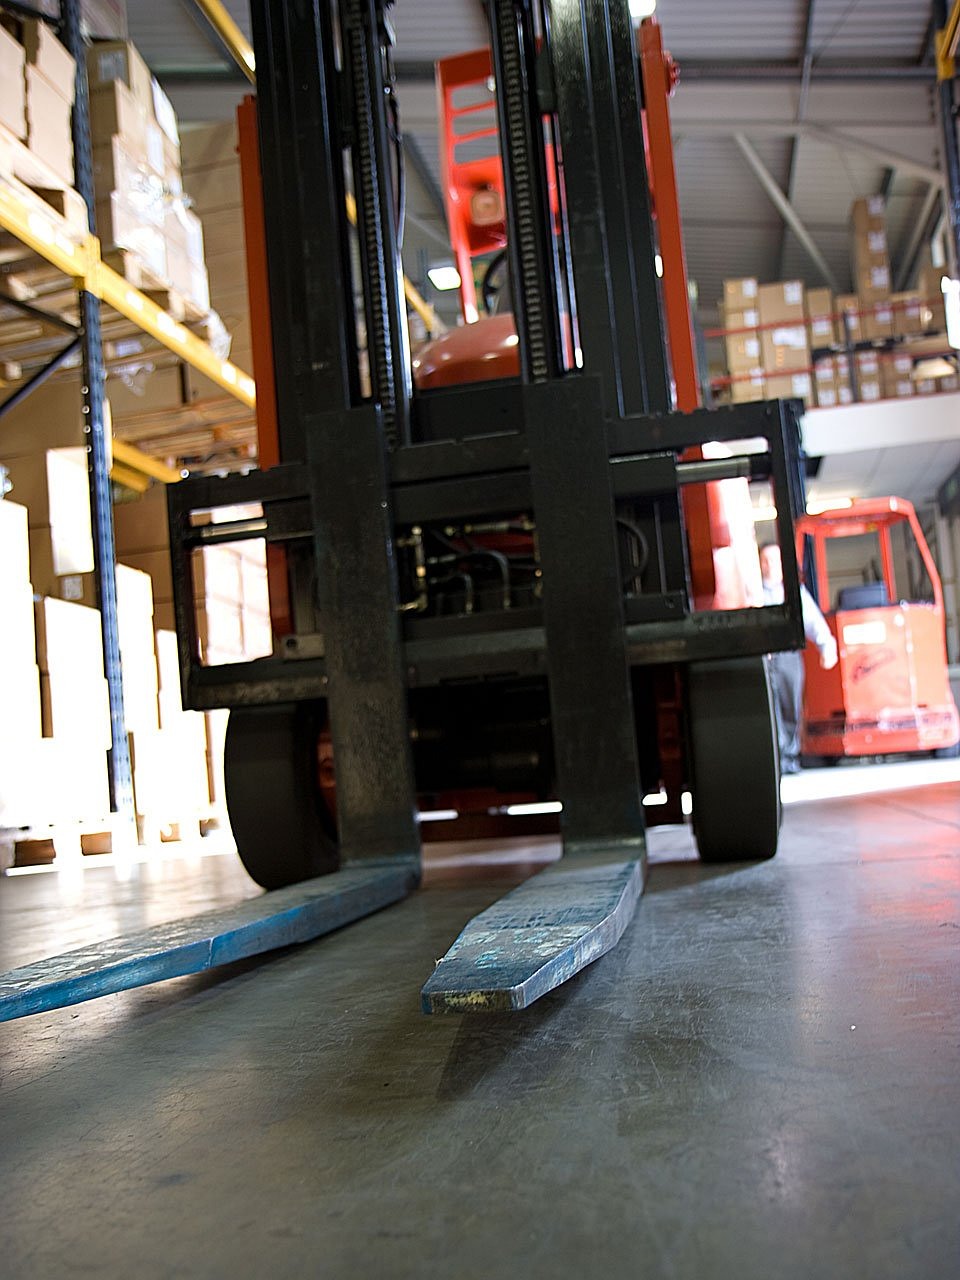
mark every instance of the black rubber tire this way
{"type": "Point", "coordinates": [947, 753]}
{"type": "Point", "coordinates": [734, 760]}
{"type": "Point", "coordinates": [284, 833]}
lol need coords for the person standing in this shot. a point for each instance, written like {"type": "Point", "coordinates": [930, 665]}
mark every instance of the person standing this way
{"type": "Point", "coordinates": [786, 669]}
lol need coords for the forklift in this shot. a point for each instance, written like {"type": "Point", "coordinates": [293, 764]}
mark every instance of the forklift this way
{"type": "Point", "coordinates": [878, 587]}
{"type": "Point", "coordinates": [491, 589]}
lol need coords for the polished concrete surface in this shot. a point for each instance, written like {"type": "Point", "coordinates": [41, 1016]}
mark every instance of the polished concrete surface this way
{"type": "Point", "coordinates": [762, 1080]}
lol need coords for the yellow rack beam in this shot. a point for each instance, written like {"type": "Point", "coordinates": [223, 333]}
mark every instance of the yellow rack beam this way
{"type": "Point", "coordinates": [41, 229]}
{"type": "Point", "coordinates": [130, 458]}
{"type": "Point", "coordinates": [231, 35]}
{"type": "Point", "coordinates": [948, 40]}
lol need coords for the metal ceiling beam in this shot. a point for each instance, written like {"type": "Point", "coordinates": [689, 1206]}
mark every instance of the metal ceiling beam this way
{"type": "Point", "coordinates": [758, 72]}
{"type": "Point", "coordinates": [819, 133]}
{"type": "Point", "coordinates": [786, 209]}
{"type": "Point", "coordinates": [806, 65]}
{"type": "Point", "coordinates": [922, 231]}
{"type": "Point", "coordinates": [418, 163]}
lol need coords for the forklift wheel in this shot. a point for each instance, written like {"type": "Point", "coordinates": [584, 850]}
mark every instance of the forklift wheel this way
{"type": "Point", "coordinates": [734, 764]}
{"type": "Point", "coordinates": [947, 753]}
{"type": "Point", "coordinates": [284, 833]}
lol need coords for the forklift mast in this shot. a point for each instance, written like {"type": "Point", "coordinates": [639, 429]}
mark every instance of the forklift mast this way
{"type": "Point", "coordinates": [486, 587]}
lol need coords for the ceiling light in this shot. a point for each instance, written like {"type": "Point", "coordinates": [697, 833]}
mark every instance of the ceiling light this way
{"type": "Point", "coordinates": [642, 9]}
{"type": "Point", "coordinates": [444, 278]}
{"type": "Point", "coordinates": [658, 265]}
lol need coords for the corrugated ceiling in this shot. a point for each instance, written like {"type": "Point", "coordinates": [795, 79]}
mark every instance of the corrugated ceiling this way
{"type": "Point", "coordinates": [731, 226]}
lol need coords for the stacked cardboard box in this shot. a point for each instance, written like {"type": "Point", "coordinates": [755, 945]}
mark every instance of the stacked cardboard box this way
{"type": "Point", "coordinates": [740, 315]}
{"type": "Point", "coordinates": [43, 448]}
{"type": "Point", "coordinates": [141, 207]}
{"type": "Point", "coordinates": [37, 86]}
{"type": "Point", "coordinates": [907, 314]}
{"type": "Point", "coordinates": [19, 674]}
{"type": "Point", "coordinates": [868, 375]}
{"type": "Point", "coordinates": [49, 83]}
{"type": "Point", "coordinates": [128, 156]}
{"type": "Point", "coordinates": [784, 340]}
{"type": "Point", "coordinates": [849, 326]}
{"type": "Point", "coordinates": [13, 100]}
{"type": "Point", "coordinates": [76, 712]}
{"type": "Point", "coordinates": [825, 382]}
{"type": "Point", "coordinates": [932, 306]}
{"type": "Point", "coordinates": [870, 266]}
{"type": "Point", "coordinates": [211, 176]}
{"type": "Point", "coordinates": [230, 585]}
{"type": "Point", "coordinates": [181, 743]}
{"type": "Point", "coordinates": [821, 319]}
{"type": "Point", "coordinates": [896, 375]}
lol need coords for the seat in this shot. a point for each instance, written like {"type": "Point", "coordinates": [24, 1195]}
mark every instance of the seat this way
{"type": "Point", "coordinates": [869, 595]}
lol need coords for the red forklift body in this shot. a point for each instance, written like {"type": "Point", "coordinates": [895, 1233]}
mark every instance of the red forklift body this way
{"type": "Point", "coordinates": [889, 693]}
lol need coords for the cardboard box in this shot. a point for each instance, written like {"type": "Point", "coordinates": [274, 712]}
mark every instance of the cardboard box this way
{"type": "Point", "coordinates": [781, 301]}
{"type": "Point", "coordinates": [791, 386]}
{"type": "Point", "coordinates": [70, 655]}
{"type": "Point", "coordinates": [118, 172]}
{"type": "Point", "coordinates": [876, 319]}
{"type": "Point", "coordinates": [48, 125]}
{"type": "Point", "coordinates": [868, 375]}
{"type": "Point", "coordinates": [896, 375]}
{"type": "Point", "coordinates": [842, 380]}
{"type": "Point", "coordinates": [933, 308]}
{"type": "Point", "coordinates": [172, 175]}
{"type": "Point", "coordinates": [873, 280]}
{"type": "Point", "coordinates": [210, 146]}
{"type": "Point", "coordinates": [18, 646]}
{"type": "Point", "coordinates": [849, 326]}
{"type": "Point", "coordinates": [12, 86]}
{"type": "Point", "coordinates": [45, 52]}
{"type": "Point", "coordinates": [743, 351]}
{"type": "Point", "coordinates": [907, 314]}
{"type": "Point", "coordinates": [949, 383]}
{"type": "Point", "coordinates": [121, 226]}
{"type": "Point", "coordinates": [926, 387]}
{"type": "Point", "coordinates": [826, 395]}
{"type": "Point", "coordinates": [141, 525]}
{"type": "Point", "coordinates": [115, 112]}
{"type": "Point", "coordinates": [869, 214]}
{"type": "Point", "coordinates": [820, 315]}
{"type": "Point", "coordinates": [75, 588]}
{"type": "Point", "coordinates": [749, 318]}
{"type": "Point", "coordinates": [785, 349]}
{"type": "Point", "coordinates": [213, 189]}
{"type": "Point", "coordinates": [52, 484]}
{"type": "Point", "coordinates": [747, 386]}
{"type": "Point", "coordinates": [740, 295]}
{"type": "Point", "coordinates": [14, 545]}
{"type": "Point", "coordinates": [112, 60]}
{"type": "Point", "coordinates": [156, 565]}
{"type": "Point", "coordinates": [164, 114]}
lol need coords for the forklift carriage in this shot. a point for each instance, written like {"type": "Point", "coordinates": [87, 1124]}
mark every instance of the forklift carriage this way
{"type": "Point", "coordinates": [490, 590]}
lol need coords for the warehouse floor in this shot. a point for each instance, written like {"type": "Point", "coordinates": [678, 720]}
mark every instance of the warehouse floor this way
{"type": "Point", "coordinates": [762, 1080]}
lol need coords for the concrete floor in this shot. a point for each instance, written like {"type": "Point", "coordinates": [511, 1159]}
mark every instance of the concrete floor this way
{"type": "Point", "coordinates": [761, 1081]}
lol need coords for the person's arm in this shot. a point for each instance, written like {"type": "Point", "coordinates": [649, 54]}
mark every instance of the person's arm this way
{"type": "Point", "coordinates": [817, 631]}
